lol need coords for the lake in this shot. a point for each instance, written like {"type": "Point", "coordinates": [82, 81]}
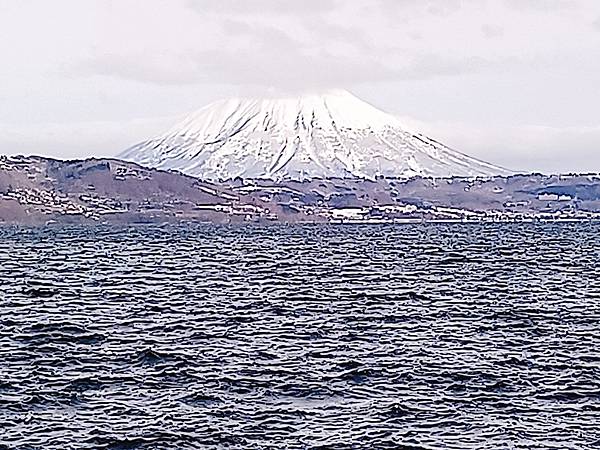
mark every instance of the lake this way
{"type": "Point", "coordinates": [304, 337]}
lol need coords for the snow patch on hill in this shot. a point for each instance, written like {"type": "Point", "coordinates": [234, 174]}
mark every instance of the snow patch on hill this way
{"type": "Point", "coordinates": [334, 135]}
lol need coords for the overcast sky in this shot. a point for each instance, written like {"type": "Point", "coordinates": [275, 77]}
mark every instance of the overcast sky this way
{"type": "Point", "coordinates": [515, 82]}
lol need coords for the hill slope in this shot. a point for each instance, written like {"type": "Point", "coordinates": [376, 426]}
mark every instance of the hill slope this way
{"type": "Point", "coordinates": [35, 190]}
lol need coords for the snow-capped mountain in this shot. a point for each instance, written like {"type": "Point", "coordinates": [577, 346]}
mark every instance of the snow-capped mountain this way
{"type": "Point", "coordinates": [334, 135]}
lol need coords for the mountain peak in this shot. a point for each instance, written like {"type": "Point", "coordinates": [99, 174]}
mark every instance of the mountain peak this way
{"type": "Point", "coordinates": [326, 135]}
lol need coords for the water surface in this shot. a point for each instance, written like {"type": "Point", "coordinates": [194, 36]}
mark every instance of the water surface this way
{"type": "Point", "coordinates": [303, 337]}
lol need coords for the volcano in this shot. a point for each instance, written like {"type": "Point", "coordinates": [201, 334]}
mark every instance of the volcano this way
{"type": "Point", "coordinates": [333, 135]}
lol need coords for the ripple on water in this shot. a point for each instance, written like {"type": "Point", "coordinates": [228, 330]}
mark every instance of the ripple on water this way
{"type": "Point", "coordinates": [307, 337]}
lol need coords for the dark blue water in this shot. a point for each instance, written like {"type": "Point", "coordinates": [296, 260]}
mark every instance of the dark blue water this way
{"type": "Point", "coordinates": [305, 337]}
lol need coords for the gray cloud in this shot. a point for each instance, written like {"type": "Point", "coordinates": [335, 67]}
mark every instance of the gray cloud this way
{"type": "Point", "coordinates": [158, 68]}
{"type": "Point", "coordinates": [596, 24]}
{"type": "Point", "coordinates": [492, 31]}
{"type": "Point", "coordinates": [541, 5]}
{"type": "Point", "coordinates": [262, 7]}
{"type": "Point", "coordinates": [429, 66]}
{"type": "Point", "coordinates": [301, 53]}
{"type": "Point", "coordinates": [341, 34]}
{"type": "Point", "coordinates": [442, 8]}
{"type": "Point", "coordinates": [263, 35]}
{"type": "Point", "coordinates": [295, 68]}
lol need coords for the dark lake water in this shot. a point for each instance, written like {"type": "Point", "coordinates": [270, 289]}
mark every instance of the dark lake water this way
{"type": "Point", "coordinates": [304, 337]}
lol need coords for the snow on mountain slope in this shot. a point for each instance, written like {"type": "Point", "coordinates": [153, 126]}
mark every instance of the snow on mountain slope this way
{"type": "Point", "coordinates": [334, 135]}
